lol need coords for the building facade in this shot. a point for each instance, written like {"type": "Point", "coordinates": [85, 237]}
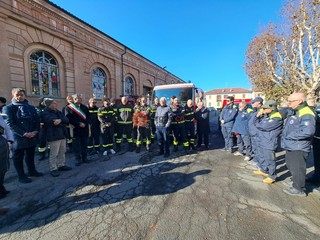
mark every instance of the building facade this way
{"type": "Point", "coordinates": [51, 53]}
{"type": "Point", "coordinates": [215, 98]}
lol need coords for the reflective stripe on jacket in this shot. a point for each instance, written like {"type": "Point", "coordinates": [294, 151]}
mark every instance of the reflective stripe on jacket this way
{"type": "Point", "coordinates": [299, 129]}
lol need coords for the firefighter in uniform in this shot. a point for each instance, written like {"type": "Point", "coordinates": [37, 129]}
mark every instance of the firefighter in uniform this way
{"type": "Point", "coordinates": [189, 123]}
{"type": "Point", "coordinates": [125, 114]}
{"type": "Point", "coordinates": [42, 147]}
{"type": "Point", "coordinates": [113, 105]}
{"type": "Point", "coordinates": [106, 116]}
{"type": "Point", "coordinates": [94, 138]}
{"type": "Point", "coordinates": [154, 107]}
{"type": "Point", "coordinates": [178, 126]}
{"type": "Point", "coordinates": [141, 119]}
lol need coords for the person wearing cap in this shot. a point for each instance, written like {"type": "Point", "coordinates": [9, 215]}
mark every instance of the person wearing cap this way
{"type": "Point", "coordinates": [227, 118]}
{"type": "Point", "coordinates": [296, 139]}
{"type": "Point", "coordinates": [23, 120]}
{"type": "Point", "coordinates": [269, 123]}
{"type": "Point", "coordinates": [55, 127]}
{"type": "Point", "coordinates": [78, 115]}
{"type": "Point", "coordinates": [241, 128]}
{"type": "Point", "coordinates": [257, 102]}
{"type": "Point", "coordinates": [94, 138]}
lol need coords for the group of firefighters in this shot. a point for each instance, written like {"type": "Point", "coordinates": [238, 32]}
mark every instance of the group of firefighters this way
{"type": "Point", "coordinates": [110, 124]}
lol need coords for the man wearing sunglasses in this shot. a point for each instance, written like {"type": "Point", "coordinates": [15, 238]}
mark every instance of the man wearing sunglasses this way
{"type": "Point", "coordinates": [227, 118]}
{"type": "Point", "coordinates": [296, 140]}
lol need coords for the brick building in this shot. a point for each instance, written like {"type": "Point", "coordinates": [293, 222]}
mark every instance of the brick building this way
{"type": "Point", "coordinates": [49, 52]}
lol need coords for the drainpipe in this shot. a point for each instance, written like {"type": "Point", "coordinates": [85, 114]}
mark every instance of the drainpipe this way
{"type": "Point", "coordinates": [122, 80]}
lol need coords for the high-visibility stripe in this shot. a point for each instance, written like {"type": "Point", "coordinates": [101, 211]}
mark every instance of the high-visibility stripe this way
{"type": "Point", "coordinates": [41, 150]}
{"type": "Point", "coordinates": [121, 122]}
{"type": "Point", "coordinates": [306, 111]}
{"type": "Point", "coordinates": [275, 115]}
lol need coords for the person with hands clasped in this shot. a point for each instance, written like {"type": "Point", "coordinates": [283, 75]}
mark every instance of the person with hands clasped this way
{"type": "Point", "coordinates": [78, 115]}
{"type": "Point", "coordinates": [162, 120]}
{"type": "Point", "coordinates": [227, 118]}
{"type": "Point", "coordinates": [56, 131]}
{"type": "Point", "coordinates": [23, 120]}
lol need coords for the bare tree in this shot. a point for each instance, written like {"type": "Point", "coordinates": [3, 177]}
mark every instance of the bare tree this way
{"type": "Point", "coordinates": [285, 58]}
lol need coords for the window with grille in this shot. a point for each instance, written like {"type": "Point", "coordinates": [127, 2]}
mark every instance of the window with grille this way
{"type": "Point", "coordinates": [99, 86]}
{"type": "Point", "coordinates": [44, 74]}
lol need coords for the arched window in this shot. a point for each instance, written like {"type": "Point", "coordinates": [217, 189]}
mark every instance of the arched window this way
{"type": "Point", "coordinates": [44, 74]}
{"type": "Point", "coordinates": [128, 86]}
{"type": "Point", "coordinates": [99, 86]}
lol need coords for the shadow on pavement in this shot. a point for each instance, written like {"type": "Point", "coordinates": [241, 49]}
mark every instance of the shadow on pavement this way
{"type": "Point", "coordinates": [142, 182]}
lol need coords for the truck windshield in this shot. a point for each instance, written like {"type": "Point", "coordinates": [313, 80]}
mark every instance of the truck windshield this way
{"type": "Point", "coordinates": [183, 94]}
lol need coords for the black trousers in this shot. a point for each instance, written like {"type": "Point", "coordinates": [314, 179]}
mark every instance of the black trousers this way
{"type": "Point", "coordinates": [202, 134]}
{"type": "Point", "coordinates": [80, 143]}
{"type": "Point", "coordinates": [28, 155]}
{"type": "Point", "coordinates": [296, 163]}
{"type": "Point", "coordinates": [94, 139]}
{"type": "Point", "coordinates": [316, 158]}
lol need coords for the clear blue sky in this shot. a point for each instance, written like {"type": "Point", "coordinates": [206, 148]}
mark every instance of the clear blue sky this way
{"type": "Point", "coordinates": [202, 41]}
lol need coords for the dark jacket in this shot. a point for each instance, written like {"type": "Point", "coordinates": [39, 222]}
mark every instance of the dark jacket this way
{"type": "Point", "coordinates": [22, 118]}
{"type": "Point", "coordinates": [125, 113]}
{"type": "Point", "coordinates": [106, 117]}
{"type": "Point", "coordinates": [317, 112]}
{"type": "Point", "coordinates": [54, 132]}
{"type": "Point", "coordinates": [299, 129]}
{"type": "Point", "coordinates": [253, 131]}
{"type": "Point", "coordinates": [5, 137]}
{"type": "Point", "coordinates": [75, 119]}
{"type": "Point", "coordinates": [163, 116]}
{"type": "Point", "coordinates": [229, 114]}
{"type": "Point", "coordinates": [269, 128]}
{"type": "Point", "coordinates": [241, 124]}
{"type": "Point", "coordinates": [202, 117]}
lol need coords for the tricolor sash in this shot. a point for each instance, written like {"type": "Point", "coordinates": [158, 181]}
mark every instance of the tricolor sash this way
{"type": "Point", "coordinates": [77, 110]}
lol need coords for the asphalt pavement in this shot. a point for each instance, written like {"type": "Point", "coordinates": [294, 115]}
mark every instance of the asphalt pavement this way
{"type": "Point", "coordinates": [207, 194]}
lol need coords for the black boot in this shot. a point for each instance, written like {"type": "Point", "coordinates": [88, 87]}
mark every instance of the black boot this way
{"type": "Point", "coordinates": [166, 154]}
{"type": "Point", "coordinates": [138, 148]}
{"type": "Point", "coordinates": [78, 160]}
{"type": "Point", "coordinates": [130, 147]}
{"type": "Point", "coordinates": [148, 148]}
{"type": "Point", "coordinates": [118, 147]}
{"type": "Point", "coordinates": [175, 148]}
{"type": "Point", "coordinates": [42, 156]}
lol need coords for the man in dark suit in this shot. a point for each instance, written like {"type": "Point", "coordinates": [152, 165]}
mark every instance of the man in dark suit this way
{"type": "Point", "coordinates": [78, 115]}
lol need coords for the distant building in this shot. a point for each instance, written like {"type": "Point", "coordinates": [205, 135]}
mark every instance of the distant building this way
{"type": "Point", "coordinates": [214, 98]}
